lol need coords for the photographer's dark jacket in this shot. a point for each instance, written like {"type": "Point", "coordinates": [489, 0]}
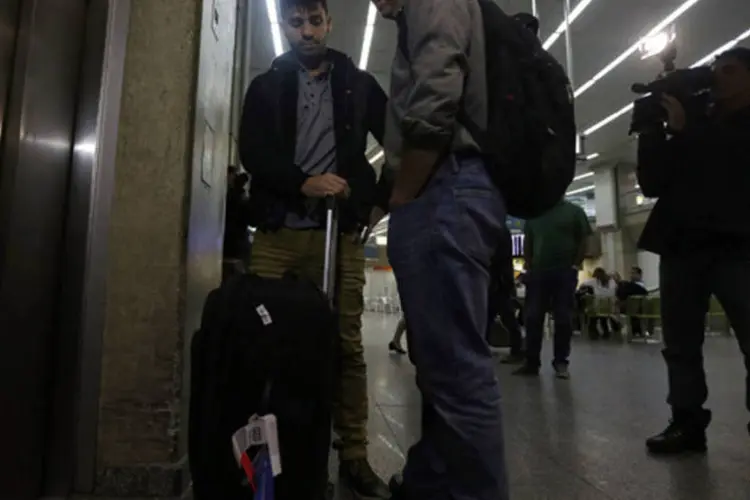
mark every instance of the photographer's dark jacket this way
{"type": "Point", "coordinates": [701, 178]}
{"type": "Point", "coordinates": [268, 134]}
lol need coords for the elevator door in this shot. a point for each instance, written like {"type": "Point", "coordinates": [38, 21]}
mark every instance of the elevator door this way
{"type": "Point", "coordinates": [8, 31]}
{"type": "Point", "coordinates": [39, 92]}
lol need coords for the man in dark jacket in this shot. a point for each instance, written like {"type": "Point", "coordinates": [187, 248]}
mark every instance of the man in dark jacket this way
{"type": "Point", "coordinates": [303, 138]}
{"type": "Point", "coordinates": [699, 226]}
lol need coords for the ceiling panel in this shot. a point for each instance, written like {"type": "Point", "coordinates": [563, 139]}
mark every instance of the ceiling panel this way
{"type": "Point", "coordinates": [604, 30]}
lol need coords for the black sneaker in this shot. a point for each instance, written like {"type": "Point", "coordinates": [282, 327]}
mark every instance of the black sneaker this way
{"type": "Point", "coordinates": [561, 371]}
{"type": "Point", "coordinates": [686, 433]}
{"type": "Point", "coordinates": [527, 370]}
{"type": "Point", "coordinates": [358, 477]}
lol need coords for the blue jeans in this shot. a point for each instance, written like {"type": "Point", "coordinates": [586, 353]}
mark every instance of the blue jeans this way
{"type": "Point", "coordinates": [440, 247]}
{"type": "Point", "coordinates": [550, 290]}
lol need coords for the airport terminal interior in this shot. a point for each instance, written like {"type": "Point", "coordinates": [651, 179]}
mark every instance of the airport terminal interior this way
{"type": "Point", "coordinates": [118, 122]}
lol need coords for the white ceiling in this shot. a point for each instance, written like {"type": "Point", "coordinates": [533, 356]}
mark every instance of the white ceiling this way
{"type": "Point", "coordinates": [604, 30]}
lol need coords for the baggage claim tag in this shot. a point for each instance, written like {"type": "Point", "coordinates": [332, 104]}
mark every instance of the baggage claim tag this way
{"type": "Point", "coordinates": [262, 431]}
{"type": "Point", "coordinates": [271, 435]}
{"type": "Point", "coordinates": [256, 450]}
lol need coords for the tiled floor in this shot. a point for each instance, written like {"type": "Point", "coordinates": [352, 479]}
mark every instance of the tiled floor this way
{"type": "Point", "coordinates": [582, 439]}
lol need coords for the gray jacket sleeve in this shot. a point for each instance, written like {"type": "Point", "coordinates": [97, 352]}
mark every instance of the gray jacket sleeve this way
{"type": "Point", "coordinates": [438, 38]}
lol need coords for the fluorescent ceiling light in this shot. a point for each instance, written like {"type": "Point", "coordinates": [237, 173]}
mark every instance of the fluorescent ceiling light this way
{"type": "Point", "coordinates": [667, 21]}
{"type": "Point", "coordinates": [273, 19]}
{"type": "Point", "coordinates": [583, 176]}
{"type": "Point", "coordinates": [614, 116]}
{"type": "Point", "coordinates": [376, 156]}
{"type": "Point", "coordinates": [703, 61]}
{"type": "Point", "coordinates": [372, 18]}
{"type": "Point", "coordinates": [730, 44]}
{"type": "Point", "coordinates": [581, 190]}
{"type": "Point", "coordinates": [592, 156]}
{"type": "Point", "coordinates": [574, 14]}
{"type": "Point", "coordinates": [382, 229]}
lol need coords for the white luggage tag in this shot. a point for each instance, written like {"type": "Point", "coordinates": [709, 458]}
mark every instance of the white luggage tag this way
{"type": "Point", "coordinates": [271, 436]}
{"type": "Point", "coordinates": [265, 316]}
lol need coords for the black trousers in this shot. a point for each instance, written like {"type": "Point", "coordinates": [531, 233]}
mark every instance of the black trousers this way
{"type": "Point", "coordinates": [501, 303]}
{"type": "Point", "coordinates": [687, 284]}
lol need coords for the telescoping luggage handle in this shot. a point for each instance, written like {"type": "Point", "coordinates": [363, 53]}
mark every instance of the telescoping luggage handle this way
{"type": "Point", "coordinates": [331, 249]}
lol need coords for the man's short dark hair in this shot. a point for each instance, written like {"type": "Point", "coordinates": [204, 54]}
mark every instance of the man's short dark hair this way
{"type": "Point", "coordinates": [304, 4]}
{"type": "Point", "coordinates": [742, 54]}
{"type": "Point", "coordinates": [637, 269]}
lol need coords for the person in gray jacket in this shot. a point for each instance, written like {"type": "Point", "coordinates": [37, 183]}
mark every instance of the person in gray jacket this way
{"type": "Point", "coordinates": [445, 224]}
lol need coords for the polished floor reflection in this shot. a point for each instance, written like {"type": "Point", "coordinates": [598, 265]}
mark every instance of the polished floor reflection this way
{"type": "Point", "coordinates": [582, 439]}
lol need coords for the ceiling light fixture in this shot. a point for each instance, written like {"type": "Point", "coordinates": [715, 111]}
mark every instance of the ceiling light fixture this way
{"type": "Point", "coordinates": [574, 14]}
{"type": "Point", "coordinates": [377, 156]}
{"type": "Point", "coordinates": [581, 190]}
{"type": "Point", "coordinates": [730, 44]}
{"type": "Point", "coordinates": [583, 176]}
{"type": "Point", "coordinates": [703, 61]}
{"type": "Point", "coordinates": [372, 18]}
{"type": "Point", "coordinates": [273, 19]}
{"type": "Point", "coordinates": [667, 21]}
{"type": "Point", "coordinates": [606, 121]}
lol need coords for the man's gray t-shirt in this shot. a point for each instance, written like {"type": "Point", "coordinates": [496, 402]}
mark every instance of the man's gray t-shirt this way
{"type": "Point", "coordinates": [315, 151]}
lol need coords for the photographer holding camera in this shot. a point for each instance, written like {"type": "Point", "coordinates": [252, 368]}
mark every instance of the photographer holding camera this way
{"type": "Point", "coordinates": [699, 169]}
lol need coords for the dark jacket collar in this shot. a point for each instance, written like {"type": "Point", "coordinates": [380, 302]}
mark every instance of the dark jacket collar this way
{"type": "Point", "coordinates": [288, 61]}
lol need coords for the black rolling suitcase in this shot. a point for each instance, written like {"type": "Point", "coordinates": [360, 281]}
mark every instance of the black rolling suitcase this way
{"type": "Point", "coordinates": [265, 346]}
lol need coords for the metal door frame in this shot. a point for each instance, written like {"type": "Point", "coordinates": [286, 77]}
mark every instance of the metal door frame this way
{"type": "Point", "coordinates": [83, 307]}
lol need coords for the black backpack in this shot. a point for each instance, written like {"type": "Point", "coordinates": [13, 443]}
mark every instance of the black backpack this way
{"type": "Point", "coordinates": [530, 141]}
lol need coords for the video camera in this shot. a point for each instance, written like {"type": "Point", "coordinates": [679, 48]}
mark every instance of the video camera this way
{"type": "Point", "coordinates": [689, 86]}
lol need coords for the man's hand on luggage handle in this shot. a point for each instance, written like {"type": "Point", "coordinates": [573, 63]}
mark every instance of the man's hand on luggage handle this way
{"type": "Point", "coordinates": [320, 186]}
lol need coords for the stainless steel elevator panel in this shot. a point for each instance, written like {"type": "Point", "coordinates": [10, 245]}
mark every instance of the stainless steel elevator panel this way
{"type": "Point", "coordinates": [8, 33]}
{"type": "Point", "coordinates": [37, 144]}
